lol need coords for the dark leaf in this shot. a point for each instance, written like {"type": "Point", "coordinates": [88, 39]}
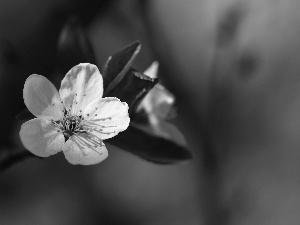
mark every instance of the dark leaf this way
{"type": "Point", "coordinates": [140, 118]}
{"type": "Point", "coordinates": [148, 147]}
{"type": "Point", "coordinates": [118, 64]}
{"type": "Point", "coordinates": [133, 88]}
{"type": "Point", "coordinates": [73, 46]}
{"type": "Point", "coordinates": [25, 115]}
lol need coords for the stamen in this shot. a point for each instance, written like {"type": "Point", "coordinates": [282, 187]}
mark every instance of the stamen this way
{"type": "Point", "coordinates": [100, 131]}
{"type": "Point", "coordinates": [102, 119]}
{"type": "Point", "coordinates": [80, 144]}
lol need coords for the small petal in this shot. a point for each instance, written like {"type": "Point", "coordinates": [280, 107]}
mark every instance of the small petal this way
{"type": "Point", "coordinates": [84, 149]}
{"type": "Point", "coordinates": [159, 102]}
{"type": "Point", "coordinates": [42, 98]}
{"type": "Point", "coordinates": [106, 117]}
{"type": "Point", "coordinates": [41, 137]}
{"type": "Point", "coordinates": [81, 85]}
{"type": "Point", "coordinates": [152, 70]}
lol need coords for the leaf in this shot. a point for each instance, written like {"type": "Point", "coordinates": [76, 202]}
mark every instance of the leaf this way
{"type": "Point", "coordinates": [133, 88]}
{"type": "Point", "coordinates": [25, 115]}
{"type": "Point", "coordinates": [118, 64]}
{"type": "Point", "coordinates": [73, 46]}
{"type": "Point", "coordinates": [149, 147]}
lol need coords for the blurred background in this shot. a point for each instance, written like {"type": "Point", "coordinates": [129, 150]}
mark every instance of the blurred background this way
{"type": "Point", "coordinates": [233, 66]}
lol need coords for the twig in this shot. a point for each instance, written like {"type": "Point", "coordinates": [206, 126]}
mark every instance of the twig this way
{"type": "Point", "coordinates": [13, 158]}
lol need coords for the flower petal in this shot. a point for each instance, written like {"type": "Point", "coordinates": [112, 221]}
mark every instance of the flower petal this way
{"type": "Point", "coordinates": [41, 138]}
{"type": "Point", "coordinates": [152, 70]}
{"type": "Point", "coordinates": [84, 149]}
{"type": "Point", "coordinates": [159, 102]}
{"type": "Point", "coordinates": [42, 98]}
{"type": "Point", "coordinates": [81, 85]}
{"type": "Point", "coordinates": [106, 118]}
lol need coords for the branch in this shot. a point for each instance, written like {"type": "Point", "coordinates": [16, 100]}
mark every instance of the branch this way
{"type": "Point", "coordinates": [12, 158]}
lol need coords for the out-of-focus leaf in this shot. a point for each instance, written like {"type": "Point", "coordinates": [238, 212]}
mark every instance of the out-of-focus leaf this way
{"type": "Point", "coordinates": [25, 115]}
{"type": "Point", "coordinates": [73, 46]}
{"type": "Point", "coordinates": [149, 147]}
{"type": "Point", "coordinates": [118, 64]}
{"type": "Point", "coordinates": [133, 88]}
{"type": "Point", "coordinates": [140, 118]}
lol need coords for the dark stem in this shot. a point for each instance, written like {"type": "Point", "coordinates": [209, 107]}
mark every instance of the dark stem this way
{"type": "Point", "coordinates": [13, 158]}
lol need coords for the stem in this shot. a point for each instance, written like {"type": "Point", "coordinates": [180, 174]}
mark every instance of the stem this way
{"type": "Point", "coordinates": [13, 158]}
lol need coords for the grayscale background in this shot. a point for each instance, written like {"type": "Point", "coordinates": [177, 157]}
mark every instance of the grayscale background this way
{"type": "Point", "coordinates": [234, 67]}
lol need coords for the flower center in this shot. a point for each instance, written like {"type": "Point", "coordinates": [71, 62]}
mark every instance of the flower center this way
{"type": "Point", "coordinates": [71, 125]}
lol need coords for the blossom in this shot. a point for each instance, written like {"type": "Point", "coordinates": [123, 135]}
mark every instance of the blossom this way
{"type": "Point", "coordinates": [75, 119]}
{"type": "Point", "coordinates": [158, 105]}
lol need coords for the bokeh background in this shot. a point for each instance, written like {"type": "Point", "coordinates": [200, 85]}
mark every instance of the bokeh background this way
{"type": "Point", "coordinates": [233, 66]}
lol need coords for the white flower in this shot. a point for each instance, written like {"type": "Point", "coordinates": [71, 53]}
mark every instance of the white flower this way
{"type": "Point", "coordinates": [74, 120]}
{"type": "Point", "coordinates": [158, 104]}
